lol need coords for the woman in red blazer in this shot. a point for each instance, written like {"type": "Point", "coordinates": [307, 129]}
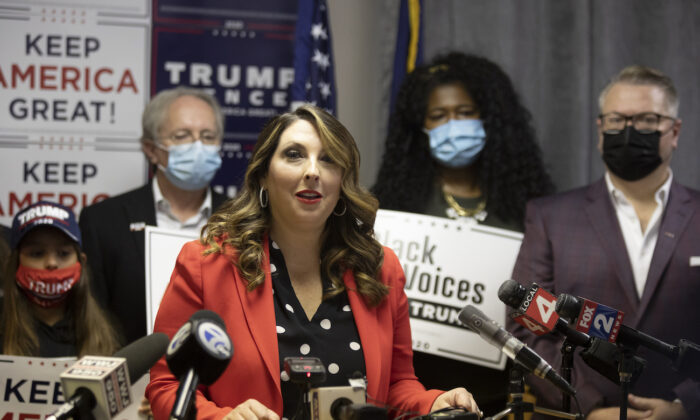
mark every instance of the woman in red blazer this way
{"type": "Point", "coordinates": [292, 267]}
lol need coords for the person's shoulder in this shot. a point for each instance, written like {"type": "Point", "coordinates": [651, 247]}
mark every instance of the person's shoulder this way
{"type": "Point", "coordinates": [5, 234]}
{"type": "Point", "coordinates": [692, 193]}
{"type": "Point", "coordinates": [390, 256]}
{"type": "Point", "coordinates": [217, 199]}
{"type": "Point", "coordinates": [113, 203]}
{"type": "Point", "coordinates": [573, 198]}
{"type": "Point", "coordinates": [196, 249]}
{"type": "Point", "coordinates": [390, 265]}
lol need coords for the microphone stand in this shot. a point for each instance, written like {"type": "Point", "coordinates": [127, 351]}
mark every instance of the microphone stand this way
{"type": "Point", "coordinates": [518, 407]}
{"type": "Point", "coordinates": [626, 369]}
{"type": "Point", "coordinates": [567, 367]}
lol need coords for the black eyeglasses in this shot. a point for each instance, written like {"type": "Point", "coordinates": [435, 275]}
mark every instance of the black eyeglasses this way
{"type": "Point", "coordinates": [646, 122]}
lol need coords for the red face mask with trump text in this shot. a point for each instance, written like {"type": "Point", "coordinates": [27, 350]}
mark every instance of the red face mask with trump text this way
{"type": "Point", "coordinates": [47, 288]}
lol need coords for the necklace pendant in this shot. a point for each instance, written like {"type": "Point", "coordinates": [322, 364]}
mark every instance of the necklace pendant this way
{"type": "Point", "coordinates": [451, 213]}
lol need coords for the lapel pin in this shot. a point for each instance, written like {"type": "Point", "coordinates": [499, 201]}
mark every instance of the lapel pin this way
{"type": "Point", "coordinates": [137, 226]}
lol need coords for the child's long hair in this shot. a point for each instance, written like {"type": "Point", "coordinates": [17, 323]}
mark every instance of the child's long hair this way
{"type": "Point", "coordinates": [94, 333]}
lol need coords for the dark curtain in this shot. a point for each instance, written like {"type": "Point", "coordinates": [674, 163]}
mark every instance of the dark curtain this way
{"type": "Point", "coordinates": [560, 54]}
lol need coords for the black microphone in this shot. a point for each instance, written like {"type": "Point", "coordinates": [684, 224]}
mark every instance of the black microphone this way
{"type": "Point", "coordinates": [198, 353]}
{"type": "Point", "coordinates": [490, 331]}
{"type": "Point", "coordinates": [688, 360]}
{"type": "Point", "coordinates": [513, 294]}
{"type": "Point", "coordinates": [600, 355]}
{"type": "Point", "coordinates": [570, 306]}
{"type": "Point", "coordinates": [100, 386]}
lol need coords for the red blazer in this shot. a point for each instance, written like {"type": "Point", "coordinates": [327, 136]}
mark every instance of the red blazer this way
{"type": "Point", "coordinates": [212, 282]}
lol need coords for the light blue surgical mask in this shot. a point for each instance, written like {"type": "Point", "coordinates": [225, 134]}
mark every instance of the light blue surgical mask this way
{"type": "Point", "coordinates": [191, 166]}
{"type": "Point", "coordinates": [457, 143]}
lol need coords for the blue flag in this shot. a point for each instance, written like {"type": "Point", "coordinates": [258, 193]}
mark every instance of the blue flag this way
{"type": "Point", "coordinates": [314, 80]}
{"type": "Point", "coordinates": [409, 44]}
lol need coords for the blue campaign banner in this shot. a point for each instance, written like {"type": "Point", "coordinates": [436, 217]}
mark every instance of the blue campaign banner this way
{"type": "Point", "coordinates": [240, 51]}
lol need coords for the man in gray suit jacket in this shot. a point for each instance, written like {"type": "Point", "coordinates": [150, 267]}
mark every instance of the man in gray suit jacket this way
{"type": "Point", "coordinates": [182, 135]}
{"type": "Point", "coordinates": [629, 241]}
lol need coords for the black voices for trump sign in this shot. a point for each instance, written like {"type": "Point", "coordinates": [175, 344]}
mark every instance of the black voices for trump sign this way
{"type": "Point", "coordinates": [449, 264]}
{"type": "Point", "coordinates": [73, 84]}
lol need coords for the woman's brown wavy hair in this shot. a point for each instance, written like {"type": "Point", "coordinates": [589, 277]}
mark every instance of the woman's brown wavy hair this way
{"type": "Point", "coordinates": [94, 333]}
{"type": "Point", "coordinates": [348, 240]}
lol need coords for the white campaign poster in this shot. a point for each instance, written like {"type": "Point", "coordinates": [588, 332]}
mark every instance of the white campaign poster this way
{"type": "Point", "coordinates": [30, 388]}
{"type": "Point", "coordinates": [162, 249]}
{"type": "Point", "coordinates": [450, 264]}
{"type": "Point", "coordinates": [74, 80]}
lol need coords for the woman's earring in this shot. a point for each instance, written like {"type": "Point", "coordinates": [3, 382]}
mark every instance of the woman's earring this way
{"type": "Point", "coordinates": [345, 208]}
{"type": "Point", "coordinates": [266, 200]}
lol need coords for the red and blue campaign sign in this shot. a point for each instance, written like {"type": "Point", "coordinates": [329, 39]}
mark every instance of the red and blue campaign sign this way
{"type": "Point", "coordinates": [241, 52]}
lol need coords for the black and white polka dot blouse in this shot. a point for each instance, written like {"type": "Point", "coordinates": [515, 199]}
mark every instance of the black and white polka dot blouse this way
{"type": "Point", "coordinates": [331, 334]}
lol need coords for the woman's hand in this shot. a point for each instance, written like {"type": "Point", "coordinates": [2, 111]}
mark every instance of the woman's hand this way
{"type": "Point", "coordinates": [251, 410]}
{"type": "Point", "coordinates": [458, 397]}
{"type": "Point", "coordinates": [145, 408]}
{"type": "Point", "coordinates": [643, 408]}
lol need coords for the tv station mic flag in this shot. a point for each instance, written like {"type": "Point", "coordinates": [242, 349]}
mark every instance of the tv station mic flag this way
{"type": "Point", "coordinates": [409, 44]}
{"type": "Point", "coordinates": [314, 79]}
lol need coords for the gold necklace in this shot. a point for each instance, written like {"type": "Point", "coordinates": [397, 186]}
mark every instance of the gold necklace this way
{"type": "Point", "coordinates": [461, 211]}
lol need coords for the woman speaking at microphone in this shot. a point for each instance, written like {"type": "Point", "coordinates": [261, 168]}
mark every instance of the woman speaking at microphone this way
{"type": "Point", "coordinates": [292, 267]}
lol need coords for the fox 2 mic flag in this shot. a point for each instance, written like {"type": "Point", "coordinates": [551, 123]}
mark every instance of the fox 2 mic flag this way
{"type": "Point", "coordinates": [314, 81]}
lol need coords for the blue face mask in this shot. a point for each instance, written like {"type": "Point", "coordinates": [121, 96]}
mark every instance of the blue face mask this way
{"type": "Point", "coordinates": [457, 143]}
{"type": "Point", "coordinates": [191, 166]}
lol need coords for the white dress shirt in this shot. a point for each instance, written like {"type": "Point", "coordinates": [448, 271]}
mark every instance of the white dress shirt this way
{"type": "Point", "coordinates": [640, 245]}
{"type": "Point", "coordinates": [166, 219]}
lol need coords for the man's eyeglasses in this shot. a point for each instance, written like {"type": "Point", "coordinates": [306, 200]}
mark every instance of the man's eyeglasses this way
{"type": "Point", "coordinates": [645, 122]}
{"type": "Point", "coordinates": [186, 136]}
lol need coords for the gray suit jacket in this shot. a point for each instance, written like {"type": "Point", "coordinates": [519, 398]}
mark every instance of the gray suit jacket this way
{"type": "Point", "coordinates": [573, 244]}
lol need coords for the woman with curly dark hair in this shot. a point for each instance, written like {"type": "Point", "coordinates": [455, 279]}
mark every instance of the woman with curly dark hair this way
{"type": "Point", "coordinates": [462, 111]}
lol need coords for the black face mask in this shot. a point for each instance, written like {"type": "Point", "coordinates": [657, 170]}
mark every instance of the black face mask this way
{"type": "Point", "coordinates": [630, 154]}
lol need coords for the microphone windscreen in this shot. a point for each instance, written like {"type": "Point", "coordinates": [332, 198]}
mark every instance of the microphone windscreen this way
{"type": "Point", "coordinates": [143, 353]}
{"type": "Point", "coordinates": [568, 306]}
{"type": "Point", "coordinates": [206, 314]}
{"type": "Point", "coordinates": [511, 293]}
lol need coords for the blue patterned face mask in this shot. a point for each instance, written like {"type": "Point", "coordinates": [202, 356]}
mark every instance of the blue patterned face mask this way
{"type": "Point", "coordinates": [191, 166]}
{"type": "Point", "coordinates": [457, 143]}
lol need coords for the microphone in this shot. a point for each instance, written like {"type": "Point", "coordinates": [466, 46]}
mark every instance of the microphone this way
{"type": "Point", "coordinates": [532, 317]}
{"type": "Point", "coordinates": [535, 307]}
{"type": "Point", "coordinates": [198, 353]}
{"type": "Point", "coordinates": [594, 319]}
{"type": "Point", "coordinates": [688, 359]}
{"type": "Point", "coordinates": [600, 355]}
{"type": "Point", "coordinates": [490, 331]}
{"type": "Point", "coordinates": [100, 387]}
{"type": "Point", "coordinates": [606, 323]}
